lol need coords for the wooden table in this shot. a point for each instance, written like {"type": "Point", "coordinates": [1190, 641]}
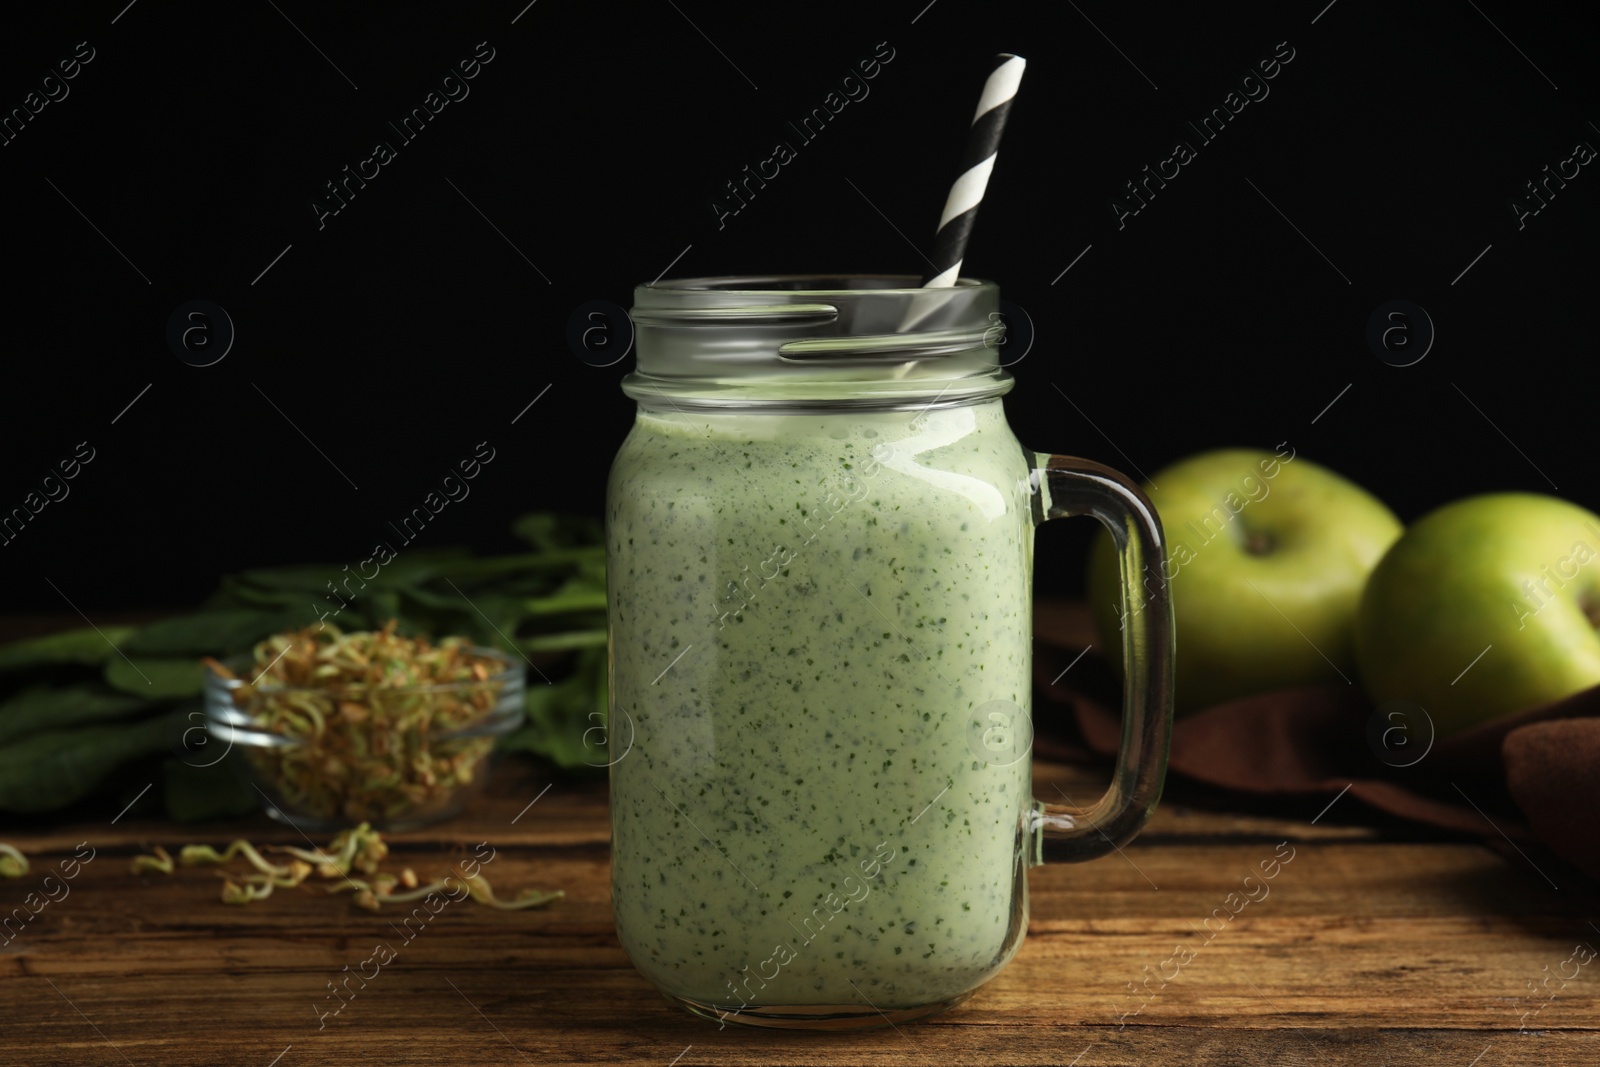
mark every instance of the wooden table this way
{"type": "Point", "coordinates": [1376, 944]}
{"type": "Point", "coordinates": [1368, 948]}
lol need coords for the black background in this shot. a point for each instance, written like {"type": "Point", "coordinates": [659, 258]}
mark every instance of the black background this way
{"type": "Point", "coordinates": [407, 329]}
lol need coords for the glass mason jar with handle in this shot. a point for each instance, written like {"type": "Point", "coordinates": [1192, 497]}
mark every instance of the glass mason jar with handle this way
{"type": "Point", "coordinates": [819, 559]}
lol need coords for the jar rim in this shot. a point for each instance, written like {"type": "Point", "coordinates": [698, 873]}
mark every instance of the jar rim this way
{"type": "Point", "coordinates": [786, 341]}
{"type": "Point", "coordinates": [783, 283]}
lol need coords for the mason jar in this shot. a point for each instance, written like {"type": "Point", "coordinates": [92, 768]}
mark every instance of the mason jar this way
{"type": "Point", "coordinates": [819, 560]}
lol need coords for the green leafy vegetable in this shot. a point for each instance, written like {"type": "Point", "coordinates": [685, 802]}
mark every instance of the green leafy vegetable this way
{"type": "Point", "coordinates": [210, 632]}
{"type": "Point", "coordinates": [157, 679]}
{"type": "Point", "coordinates": [566, 720]}
{"type": "Point", "coordinates": [45, 707]}
{"type": "Point", "coordinates": [55, 768]}
{"type": "Point", "coordinates": [546, 531]}
{"type": "Point", "coordinates": [89, 646]}
{"type": "Point", "coordinates": [73, 710]}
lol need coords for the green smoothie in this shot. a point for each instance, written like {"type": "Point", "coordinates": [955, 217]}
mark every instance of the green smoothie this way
{"type": "Point", "coordinates": [808, 614]}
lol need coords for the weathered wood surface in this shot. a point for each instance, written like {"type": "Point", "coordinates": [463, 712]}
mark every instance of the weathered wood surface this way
{"type": "Point", "coordinates": [1366, 950]}
{"type": "Point", "coordinates": [1377, 944]}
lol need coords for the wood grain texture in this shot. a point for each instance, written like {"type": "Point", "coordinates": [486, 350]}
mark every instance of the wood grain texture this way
{"type": "Point", "coordinates": [1365, 950]}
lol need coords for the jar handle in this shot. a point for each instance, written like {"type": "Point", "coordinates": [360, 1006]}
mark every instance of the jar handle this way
{"type": "Point", "coordinates": [1063, 486]}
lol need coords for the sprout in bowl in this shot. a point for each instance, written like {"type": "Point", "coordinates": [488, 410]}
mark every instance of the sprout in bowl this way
{"type": "Point", "coordinates": [337, 728]}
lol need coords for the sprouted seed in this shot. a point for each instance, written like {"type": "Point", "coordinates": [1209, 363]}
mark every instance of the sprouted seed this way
{"type": "Point", "coordinates": [13, 864]}
{"type": "Point", "coordinates": [253, 889]}
{"type": "Point", "coordinates": [480, 889]}
{"type": "Point", "coordinates": [195, 855]}
{"type": "Point", "coordinates": [372, 718]}
{"type": "Point", "coordinates": [161, 862]}
{"type": "Point", "coordinates": [256, 886]}
{"type": "Point", "coordinates": [360, 848]}
{"type": "Point", "coordinates": [381, 891]}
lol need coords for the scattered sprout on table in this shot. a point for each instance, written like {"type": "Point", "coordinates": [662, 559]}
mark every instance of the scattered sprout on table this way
{"type": "Point", "coordinates": [478, 886]}
{"type": "Point", "coordinates": [160, 862]}
{"type": "Point", "coordinates": [359, 849]}
{"type": "Point", "coordinates": [13, 864]}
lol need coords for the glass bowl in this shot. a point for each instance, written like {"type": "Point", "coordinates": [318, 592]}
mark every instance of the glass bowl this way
{"type": "Point", "coordinates": [399, 757]}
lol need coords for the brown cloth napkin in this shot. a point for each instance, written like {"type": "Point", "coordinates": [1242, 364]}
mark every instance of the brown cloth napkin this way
{"type": "Point", "coordinates": [1534, 775]}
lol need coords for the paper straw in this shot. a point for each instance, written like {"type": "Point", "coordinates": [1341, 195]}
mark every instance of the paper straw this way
{"type": "Point", "coordinates": [966, 195]}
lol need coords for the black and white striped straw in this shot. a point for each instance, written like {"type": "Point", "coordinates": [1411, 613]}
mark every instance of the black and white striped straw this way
{"type": "Point", "coordinates": [966, 195]}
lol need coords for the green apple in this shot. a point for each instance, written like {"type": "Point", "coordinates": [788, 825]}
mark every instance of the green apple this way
{"type": "Point", "coordinates": [1485, 606]}
{"type": "Point", "coordinates": [1266, 557]}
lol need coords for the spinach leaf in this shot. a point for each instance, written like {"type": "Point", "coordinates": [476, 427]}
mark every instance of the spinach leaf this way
{"type": "Point", "coordinates": [563, 716]}
{"type": "Point", "coordinates": [88, 647]}
{"type": "Point", "coordinates": [47, 707]}
{"type": "Point", "coordinates": [213, 632]}
{"type": "Point", "coordinates": [52, 769]}
{"type": "Point", "coordinates": [156, 679]}
{"type": "Point", "coordinates": [545, 531]}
